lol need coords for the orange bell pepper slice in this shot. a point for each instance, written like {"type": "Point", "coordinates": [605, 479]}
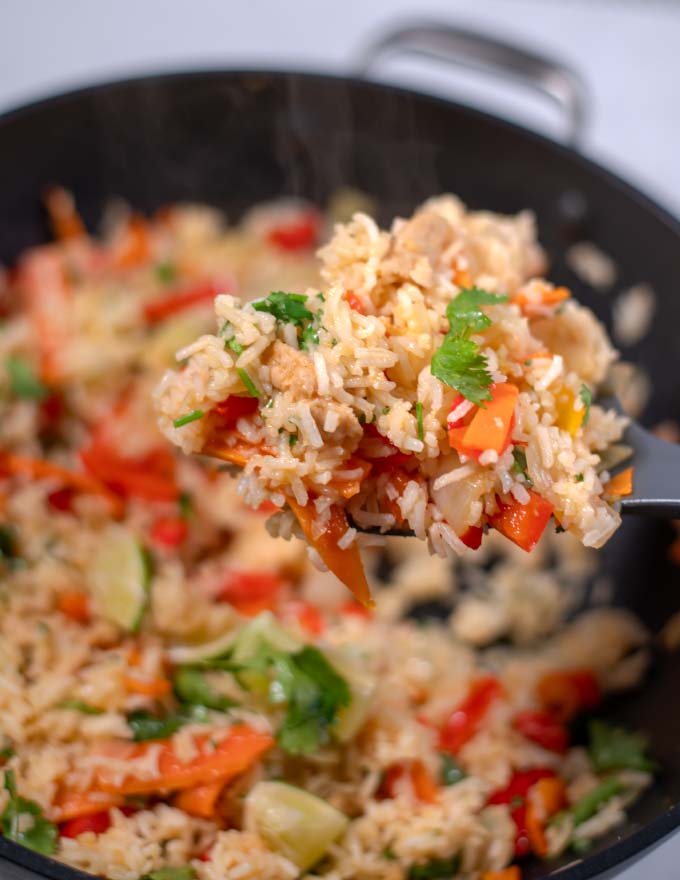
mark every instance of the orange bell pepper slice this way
{"type": "Point", "coordinates": [64, 218]}
{"type": "Point", "coordinates": [200, 801]}
{"type": "Point", "coordinates": [492, 424]}
{"type": "Point", "coordinates": [72, 804]}
{"type": "Point", "coordinates": [544, 799]}
{"type": "Point", "coordinates": [523, 524]}
{"type": "Point", "coordinates": [621, 484]}
{"type": "Point", "coordinates": [511, 873]}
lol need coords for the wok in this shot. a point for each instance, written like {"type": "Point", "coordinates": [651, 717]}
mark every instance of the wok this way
{"type": "Point", "coordinates": [235, 137]}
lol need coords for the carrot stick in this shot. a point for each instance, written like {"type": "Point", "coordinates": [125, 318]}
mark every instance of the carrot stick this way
{"type": "Point", "coordinates": [545, 798]}
{"type": "Point", "coordinates": [41, 469]}
{"type": "Point", "coordinates": [349, 488]}
{"type": "Point", "coordinates": [201, 800]}
{"type": "Point", "coordinates": [490, 428]}
{"type": "Point", "coordinates": [621, 484]}
{"type": "Point", "coordinates": [239, 750]}
{"type": "Point", "coordinates": [345, 564]}
{"type": "Point", "coordinates": [511, 873]}
{"type": "Point", "coordinates": [72, 804]}
{"type": "Point", "coordinates": [74, 604]}
{"type": "Point", "coordinates": [46, 297]}
{"type": "Point", "coordinates": [134, 247]}
{"type": "Point", "coordinates": [64, 218]}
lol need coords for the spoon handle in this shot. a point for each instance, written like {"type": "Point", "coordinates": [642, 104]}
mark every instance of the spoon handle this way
{"type": "Point", "coordinates": [656, 477]}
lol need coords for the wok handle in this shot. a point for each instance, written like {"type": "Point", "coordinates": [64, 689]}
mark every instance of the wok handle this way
{"type": "Point", "coordinates": [472, 49]}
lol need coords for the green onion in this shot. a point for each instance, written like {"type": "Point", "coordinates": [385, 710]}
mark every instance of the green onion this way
{"type": "Point", "coordinates": [234, 346]}
{"type": "Point", "coordinates": [579, 478]}
{"type": "Point", "coordinates": [184, 872]}
{"type": "Point", "coordinates": [292, 439]}
{"type": "Point", "coordinates": [184, 504]}
{"type": "Point", "coordinates": [586, 396]}
{"type": "Point", "coordinates": [614, 748]}
{"type": "Point", "coordinates": [23, 381]}
{"type": "Point", "coordinates": [80, 706]}
{"type": "Point", "coordinates": [450, 771]}
{"type": "Point", "coordinates": [584, 809]}
{"type": "Point", "coordinates": [435, 869]}
{"type": "Point", "coordinates": [419, 420]}
{"type": "Point", "coordinates": [165, 272]}
{"type": "Point", "coordinates": [250, 386]}
{"type": "Point", "coordinates": [189, 417]}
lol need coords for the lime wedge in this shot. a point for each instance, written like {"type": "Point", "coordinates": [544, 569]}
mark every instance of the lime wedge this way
{"type": "Point", "coordinates": [120, 578]}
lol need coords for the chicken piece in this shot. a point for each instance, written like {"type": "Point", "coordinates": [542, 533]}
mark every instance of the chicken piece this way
{"type": "Point", "coordinates": [418, 247]}
{"type": "Point", "coordinates": [337, 423]}
{"type": "Point", "coordinates": [290, 370]}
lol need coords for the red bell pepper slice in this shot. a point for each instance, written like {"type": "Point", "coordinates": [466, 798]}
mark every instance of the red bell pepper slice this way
{"type": "Point", "coordinates": [543, 729]}
{"type": "Point", "coordinates": [251, 592]}
{"type": "Point", "coordinates": [298, 234]}
{"type": "Point", "coordinates": [354, 302]}
{"type": "Point", "coordinates": [229, 411]}
{"type": "Point", "coordinates": [565, 694]}
{"type": "Point", "coordinates": [523, 524]}
{"type": "Point", "coordinates": [466, 719]}
{"type": "Point", "coordinates": [163, 307]}
{"type": "Point", "coordinates": [169, 531]}
{"type": "Point", "coordinates": [472, 537]}
{"type": "Point", "coordinates": [514, 794]}
{"type": "Point", "coordinates": [98, 823]}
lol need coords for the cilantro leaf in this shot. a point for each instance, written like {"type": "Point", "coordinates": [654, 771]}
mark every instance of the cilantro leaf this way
{"type": "Point", "coordinates": [145, 725]}
{"type": "Point", "coordinates": [165, 272]}
{"type": "Point", "coordinates": [192, 687]}
{"type": "Point", "coordinates": [419, 421]}
{"type": "Point", "coordinates": [184, 872]}
{"type": "Point", "coordinates": [613, 748]}
{"type": "Point", "coordinates": [450, 771]}
{"type": "Point", "coordinates": [458, 361]}
{"type": "Point", "coordinates": [309, 687]}
{"type": "Point", "coordinates": [23, 822]}
{"type": "Point", "coordinates": [586, 396]}
{"type": "Point", "coordinates": [289, 308]}
{"type": "Point", "coordinates": [435, 869]}
{"type": "Point", "coordinates": [23, 381]}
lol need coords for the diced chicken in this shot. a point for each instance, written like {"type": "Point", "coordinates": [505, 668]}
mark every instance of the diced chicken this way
{"type": "Point", "coordinates": [290, 370]}
{"type": "Point", "coordinates": [337, 422]}
{"type": "Point", "coordinates": [418, 247]}
{"type": "Point", "coordinates": [580, 338]}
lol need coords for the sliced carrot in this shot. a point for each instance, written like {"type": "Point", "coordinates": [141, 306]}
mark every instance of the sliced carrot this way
{"type": "Point", "coordinates": [230, 446]}
{"type": "Point", "coordinates": [354, 302]}
{"type": "Point", "coordinates": [74, 604]}
{"type": "Point", "coordinates": [72, 804]}
{"type": "Point", "coordinates": [397, 481]}
{"type": "Point", "coordinates": [152, 687]}
{"type": "Point", "coordinates": [535, 305]}
{"type": "Point", "coordinates": [133, 248]}
{"type": "Point", "coordinates": [467, 717]}
{"type": "Point", "coordinates": [44, 288]}
{"type": "Point", "coordinates": [345, 564]}
{"type": "Point", "coordinates": [41, 469]}
{"type": "Point", "coordinates": [567, 692]}
{"type": "Point", "coordinates": [422, 784]}
{"type": "Point", "coordinates": [171, 304]}
{"type": "Point", "coordinates": [544, 799]}
{"type": "Point", "coordinates": [151, 477]}
{"type": "Point", "coordinates": [512, 873]}
{"type": "Point", "coordinates": [64, 218]}
{"type": "Point", "coordinates": [461, 277]}
{"type": "Point", "coordinates": [491, 426]}
{"type": "Point", "coordinates": [201, 800]}
{"type": "Point", "coordinates": [241, 747]}
{"type": "Point", "coordinates": [621, 484]}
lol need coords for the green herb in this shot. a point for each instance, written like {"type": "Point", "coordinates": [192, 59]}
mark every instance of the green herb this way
{"type": "Point", "coordinates": [361, 418]}
{"type": "Point", "coordinates": [23, 381]}
{"type": "Point", "coordinates": [419, 420]}
{"type": "Point", "coordinates": [6, 753]}
{"type": "Point", "coordinates": [80, 706]}
{"type": "Point", "coordinates": [185, 872]}
{"type": "Point", "coordinates": [8, 542]}
{"type": "Point", "coordinates": [23, 822]}
{"type": "Point", "coordinates": [516, 802]}
{"type": "Point", "coordinates": [435, 869]}
{"type": "Point", "coordinates": [234, 346]}
{"type": "Point", "coordinates": [613, 748]}
{"type": "Point", "coordinates": [321, 297]}
{"type": "Point", "coordinates": [582, 845]}
{"type": "Point", "coordinates": [189, 417]}
{"type": "Point", "coordinates": [309, 335]}
{"type": "Point", "coordinates": [458, 361]}
{"type": "Point", "coordinates": [311, 689]}
{"type": "Point", "coordinates": [385, 410]}
{"type": "Point", "coordinates": [450, 771]}
{"type": "Point", "coordinates": [192, 687]}
{"type": "Point", "coordinates": [586, 397]}
{"type": "Point", "coordinates": [185, 505]}
{"type": "Point", "coordinates": [584, 809]}
{"type": "Point", "coordinates": [389, 854]}
{"type": "Point", "coordinates": [250, 386]}
{"type": "Point", "coordinates": [520, 464]}
{"type": "Point", "coordinates": [292, 439]}
{"type": "Point", "coordinates": [579, 478]}
{"type": "Point", "coordinates": [559, 529]}
{"type": "Point", "coordinates": [165, 272]}
{"type": "Point", "coordinates": [289, 308]}
{"type": "Point", "coordinates": [145, 725]}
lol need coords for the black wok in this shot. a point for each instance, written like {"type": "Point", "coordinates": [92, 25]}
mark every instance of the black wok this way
{"type": "Point", "coordinates": [232, 138]}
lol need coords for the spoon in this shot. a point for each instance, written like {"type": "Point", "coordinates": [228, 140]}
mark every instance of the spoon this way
{"type": "Point", "coordinates": [656, 477]}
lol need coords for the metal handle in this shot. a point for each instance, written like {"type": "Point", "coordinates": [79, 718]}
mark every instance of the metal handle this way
{"type": "Point", "coordinates": [478, 51]}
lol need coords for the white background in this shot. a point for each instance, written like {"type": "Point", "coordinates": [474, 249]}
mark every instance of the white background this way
{"type": "Point", "coordinates": [628, 52]}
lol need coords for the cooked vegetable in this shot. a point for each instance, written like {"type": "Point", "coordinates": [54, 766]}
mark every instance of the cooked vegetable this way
{"type": "Point", "coordinates": [248, 383]}
{"type": "Point", "coordinates": [169, 531]}
{"type": "Point", "coordinates": [450, 771]}
{"type": "Point", "coordinates": [435, 869]}
{"type": "Point", "coordinates": [23, 822]}
{"type": "Point", "coordinates": [150, 477]}
{"type": "Point", "coordinates": [520, 463]}
{"type": "Point", "coordinates": [621, 485]}
{"type": "Point", "coordinates": [565, 693]}
{"type": "Point", "coordinates": [8, 543]}
{"type": "Point", "coordinates": [543, 729]}
{"type": "Point", "coordinates": [80, 706]}
{"type": "Point", "coordinates": [240, 748]}
{"type": "Point", "coordinates": [132, 248]}
{"type": "Point", "coordinates": [146, 726]}
{"type": "Point", "coordinates": [192, 687]}
{"type": "Point", "coordinates": [289, 308]}
{"type": "Point", "coordinates": [200, 801]}
{"type": "Point", "coordinates": [568, 417]}
{"type": "Point", "coordinates": [590, 803]}
{"type": "Point", "coordinates": [422, 784]}
{"type": "Point", "coordinates": [72, 804]}
{"type": "Point", "coordinates": [188, 418]}
{"type": "Point", "coordinates": [298, 234]}
{"type": "Point", "coordinates": [544, 799]}
{"type": "Point", "coordinates": [120, 578]}
{"type": "Point", "coordinates": [613, 748]}
{"type": "Point", "coordinates": [202, 294]}
{"type": "Point", "coordinates": [97, 823]}
{"type": "Point", "coordinates": [466, 718]}
{"type": "Point", "coordinates": [511, 873]}
{"type": "Point", "coordinates": [165, 272]}
{"type": "Point", "coordinates": [345, 563]}
{"type": "Point", "coordinates": [293, 822]}
{"type": "Point", "coordinates": [586, 396]}
{"type": "Point", "coordinates": [229, 411]}
{"type": "Point", "coordinates": [491, 425]}
{"type": "Point", "coordinates": [515, 796]}
{"type": "Point", "coordinates": [63, 215]}
{"type": "Point", "coordinates": [183, 872]}
{"type": "Point", "coordinates": [74, 604]}
{"type": "Point", "coordinates": [458, 362]}
{"type": "Point", "coordinates": [351, 718]}
{"type": "Point", "coordinates": [419, 421]}
{"type": "Point", "coordinates": [523, 524]}
{"type": "Point", "coordinates": [205, 652]}
{"type": "Point", "coordinates": [157, 687]}
{"type": "Point", "coordinates": [23, 381]}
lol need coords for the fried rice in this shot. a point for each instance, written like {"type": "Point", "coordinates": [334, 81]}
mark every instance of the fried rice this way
{"type": "Point", "coordinates": [181, 695]}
